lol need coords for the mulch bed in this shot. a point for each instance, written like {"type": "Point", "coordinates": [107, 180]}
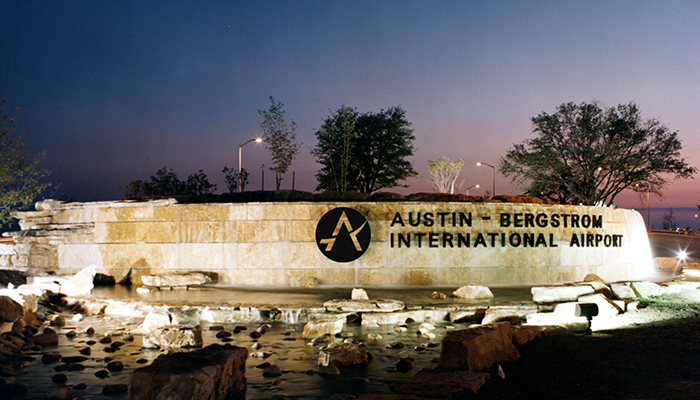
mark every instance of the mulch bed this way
{"type": "Point", "coordinates": [659, 362]}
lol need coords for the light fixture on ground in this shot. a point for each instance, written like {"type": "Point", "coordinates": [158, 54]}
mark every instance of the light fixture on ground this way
{"type": "Point", "coordinates": [256, 140]}
{"type": "Point", "coordinates": [493, 176]}
{"type": "Point", "coordinates": [472, 186]}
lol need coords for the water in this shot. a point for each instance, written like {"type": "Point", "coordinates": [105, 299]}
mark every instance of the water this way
{"type": "Point", "coordinates": [291, 353]}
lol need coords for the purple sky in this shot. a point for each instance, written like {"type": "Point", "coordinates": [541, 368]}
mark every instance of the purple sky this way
{"type": "Point", "coordinates": [116, 90]}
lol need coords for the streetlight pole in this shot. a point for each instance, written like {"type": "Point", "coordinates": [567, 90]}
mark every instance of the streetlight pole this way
{"type": "Point", "coordinates": [256, 140]}
{"type": "Point", "coordinates": [472, 186]}
{"type": "Point", "coordinates": [493, 175]}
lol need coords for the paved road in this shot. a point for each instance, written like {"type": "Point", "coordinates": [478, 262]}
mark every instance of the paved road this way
{"type": "Point", "coordinates": [670, 244]}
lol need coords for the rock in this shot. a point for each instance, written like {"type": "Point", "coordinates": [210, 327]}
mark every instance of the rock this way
{"type": "Point", "coordinates": [319, 328]}
{"type": "Point", "coordinates": [593, 278]}
{"type": "Point", "coordinates": [176, 336]}
{"type": "Point", "coordinates": [272, 371]}
{"type": "Point", "coordinates": [216, 372]}
{"type": "Point", "coordinates": [174, 279]}
{"type": "Point", "coordinates": [476, 349]}
{"type": "Point", "coordinates": [80, 284]}
{"type": "Point", "coordinates": [402, 317]}
{"type": "Point", "coordinates": [359, 294]}
{"type": "Point", "coordinates": [103, 373]}
{"type": "Point", "coordinates": [564, 320]}
{"type": "Point", "coordinates": [602, 288]}
{"type": "Point", "coordinates": [57, 320]}
{"type": "Point", "coordinates": [363, 305]}
{"type": "Point", "coordinates": [115, 366]}
{"type": "Point", "coordinates": [114, 389]}
{"type": "Point", "coordinates": [646, 289]}
{"type": "Point", "coordinates": [10, 310]}
{"type": "Point", "coordinates": [475, 314]}
{"type": "Point", "coordinates": [329, 370]}
{"type": "Point", "coordinates": [404, 364]}
{"type": "Point", "coordinates": [59, 378]}
{"type": "Point", "coordinates": [50, 358]}
{"type": "Point", "coordinates": [342, 354]}
{"type": "Point", "coordinates": [525, 333]}
{"type": "Point", "coordinates": [438, 296]}
{"type": "Point", "coordinates": [558, 294]}
{"type": "Point", "coordinates": [494, 315]}
{"type": "Point", "coordinates": [46, 339]}
{"type": "Point", "coordinates": [60, 393]}
{"type": "Point", "coordinates": [154, 320]}
{"type": "Point", "coordinates": [441, 384]}
{"type": "Point", "coordinates": [622, 291]}
{"type": "Point", "coordinates": [394, 345]}
{"type": "Point", "coordinates": [473, 292]}
{"type": "Point", "coordinates": [80, 386]}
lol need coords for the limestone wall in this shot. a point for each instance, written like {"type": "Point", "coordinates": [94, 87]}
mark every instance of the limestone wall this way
{"type": "Point", "coordinates": [274, 244]}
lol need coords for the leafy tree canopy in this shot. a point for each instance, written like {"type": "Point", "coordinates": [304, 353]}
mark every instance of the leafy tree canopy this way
{"type": "Point", "coordinates": [166, 183]}
{"type": "Point", "coordinates": [20, 174]}
{"type": "Point", "coordinates": [279, 139]}
{"type": "Point", "coordinates": [364, 152]}
{"type": "Point", "coordinates": [588, 154]}
{"type": "Point", "coordinates": [444, 174]}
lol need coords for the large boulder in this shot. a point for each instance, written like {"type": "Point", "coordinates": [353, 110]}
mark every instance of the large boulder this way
{"type": "Point", "coordinates": [558, 294]}
{"type": "Point", "coordinates": [442, 384]}
{"type": "Point", "coordinates": [473, 292]}
{"type": "Point", "coordinates": [176, 336]}
{"type": "Point", "coordinates": [323, 327]}
{"type": "Point", "coordinates": [10, 310]}
{"type": "Point", "coordinates": [342, 354]}
{"type": "Point", "coordinates": [476, 349]}
{"type": "Point", "coordinates": [216, 372]}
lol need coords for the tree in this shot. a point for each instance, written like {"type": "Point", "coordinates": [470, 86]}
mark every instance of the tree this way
{"type": "Point", "coordinates": [198, 184]}
{"type": "Point", "coordinates": [364, 152]}
{"type": "Point", "coordinates": [384, 141]}
{"type": "Point", "coordinates": [279, 139]}
{"type": "Point", "coordinates": [166, 183]}
{"type": "Point", "coordinates": [669, 221]}
{"type": "Point", "coordinates": [589, 154]}
{"type": "Point", "coordinates": [231, 178]}
{"type": "Point", "coordinates": [334, 150]}
{"type": "Point", "coordinates": [20, 174]}
{"type": "Point", "coordinates": [444, 174]}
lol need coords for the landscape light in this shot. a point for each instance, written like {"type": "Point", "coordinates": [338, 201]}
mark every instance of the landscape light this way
{"type": "Point", "coordinates": [682, 255]}
{"type": "Point", "coordinates": [256, 140]}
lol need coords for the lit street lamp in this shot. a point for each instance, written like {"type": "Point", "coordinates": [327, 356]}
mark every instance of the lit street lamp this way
{"type": "Point", "coordinates": [256, 140]}
{"type": "Point", "coordinates": [493, 176]}
{"type": "Point", "coordinates": [472, 186]}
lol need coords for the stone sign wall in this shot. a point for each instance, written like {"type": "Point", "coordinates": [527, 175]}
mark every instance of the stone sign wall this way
{"type": "Point", "coordinates": [336, 243]}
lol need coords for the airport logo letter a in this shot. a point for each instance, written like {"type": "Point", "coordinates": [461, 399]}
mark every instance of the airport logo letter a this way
{"type": "Point", "coordinates": [343, 234]}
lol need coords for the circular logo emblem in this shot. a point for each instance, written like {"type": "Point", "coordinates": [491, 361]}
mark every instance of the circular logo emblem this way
{"type": "Point", "coordinates": [343, 234]}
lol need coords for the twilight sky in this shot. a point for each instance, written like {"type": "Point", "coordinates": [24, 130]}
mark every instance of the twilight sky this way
{"type": "Point", "coordinates": [116, 90]}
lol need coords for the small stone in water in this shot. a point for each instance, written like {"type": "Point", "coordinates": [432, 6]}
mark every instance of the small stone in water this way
{"type": "Point", "coordinates": [85, 351]}
{"type": "Point", "coordinates": [128, 338]}
{"type": "Point", "coordinates": [90, 331]}
{"type": "Point", "coordinates": [59, 378]}
{"type": "Point", "coordinates": [71, 334]}
{"type": "Point", "coordinates": [272, 371]}
{"type": "Point", "coordinates": [75, 367]}
{"type": "Point", "coordinates": [80, 386]}
{"type": "Point", "coordinates": [117, 344]}
{"type": "Point", "coordinates": [263, 365]}
{"type": "Point", "coordinates": [216, 328]}
{"type": "Point", "coordinates": [226, 340]}
{"type": "Point", "coordinates": [109, 350]}
{"type": "Point", "coordinates": [141, 361]}
{"type": "Point", "coordinates": [61, 368]}
{"type": "Point", "coordinates": [106, 339]}
{"type": "Point", "coordinates": [49, 358]}
{"type": "Point", "coordinates": [115, 366]}
{"type": "Point", "coordinates": [223, 334]}
{"type": "Point", "coordinates": [49, 330]}
{"type": "Point", "coordinates": [256, 346]}
{"type": "Point", "coordinates": [78, 317]}
{"type": "Point", "coordinates": [102, 373]}
{"type": "Point", "coordinates": [90, 342]}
